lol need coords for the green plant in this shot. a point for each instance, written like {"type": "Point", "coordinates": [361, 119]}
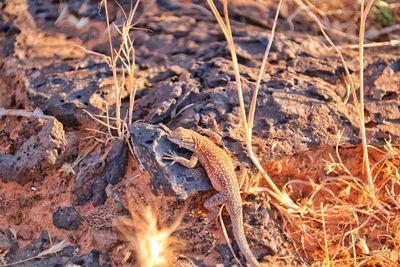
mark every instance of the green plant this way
{"type": "Point", "coordinates": [383, 13]}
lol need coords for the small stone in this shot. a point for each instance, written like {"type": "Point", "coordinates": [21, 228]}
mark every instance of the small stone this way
{"type": "Point", "coordinates": [5, 244]}
{"type": "Point", "coordinates": [104, 166]}
{"type": "Point", "coordinates": [66, 218]}
{"type": "Point", "coordinates": [25, 234]}
{"type": "Point", "coordinates": [104, 241]}
{"type": "Point", "coordinates": [212, 258]}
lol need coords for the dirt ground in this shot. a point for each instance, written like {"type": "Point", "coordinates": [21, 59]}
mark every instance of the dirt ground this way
{"type": "Point", "coordinates": [63, 178]}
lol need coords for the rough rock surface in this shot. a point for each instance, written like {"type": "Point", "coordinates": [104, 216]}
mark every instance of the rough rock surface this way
{"type": "Point", "coordinates": [186, 79]}
{"type": "Point", "coordinates": [150, 143]}
{"type": "Point", "coordinates": [104, 240]}
{"type": "Point", "coordinates": [66, 218]}
{"type": "Point", "coordinates": [104, 166]}
{"type": "Point", "coordinates": [41, 146]}
{"type": "Point", "coordinates": [63, 87]}
{"type": "Point", "coordinates": [5, 244]}
{"type": "Point", "coordinates": [264, 234]}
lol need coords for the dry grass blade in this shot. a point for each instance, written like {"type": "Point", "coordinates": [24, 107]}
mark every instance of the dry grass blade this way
{"type": "Point", "coordinates": [229, 38]}
{"type": "Point", "coordinates": [281, 197]}
{"type": "Point", "coordinates": [363, 134]}
{"type": "Point", "coordinates": [3, 254]}
{"type": "Point", "coordinates": [374, 44]}
{"type": "Point", "coordinates": [154, 244]}
{"type": "Point", "coordinates": [326, 246]}
{"type": "Point", "coordinates": [322, 28]}
{"type": "Point", "coordinates": [67, 168]}
{"type": "Point", "coordinates": [106, 124]}
{"type": "Point", "coordinates": [37, 113]}
{"type": "Point", "coordinates": [124, 54]}
{"type": "Point", "coordinates": [226, 235]}
{"type": "Point", "coordinates": [53, 249]}
{"type": "Point", "coordinates": [262, 70]}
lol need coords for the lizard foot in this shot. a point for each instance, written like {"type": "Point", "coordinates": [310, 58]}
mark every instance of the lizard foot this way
{"type": "Point", "coordinates": [171, 156]}
{"type": "Point", "coordinates": [213, 215]}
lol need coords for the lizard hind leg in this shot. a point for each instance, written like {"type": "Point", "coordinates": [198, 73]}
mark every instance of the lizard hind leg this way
{"type": "Point", "coordinates": [213, 203]}
{"type": "Point", "coordinates": [246, 181]}
{"type": "Point", "coordinates": [243, 180]}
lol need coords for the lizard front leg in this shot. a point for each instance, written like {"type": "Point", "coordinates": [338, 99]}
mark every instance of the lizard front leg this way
{"type": "Point", "coordinates": [216, 138]}
{"type": "Point", "coordinates": [212, 204]}
{"type": "Point", "coordinates": [188, 163]}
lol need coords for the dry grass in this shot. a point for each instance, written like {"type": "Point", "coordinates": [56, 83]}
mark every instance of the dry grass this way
{"type": "Point", "coordinates": [353, 228]}
{"type": "Point", "coordinates": [124, 54]}
{"type": "Point", "coordinates": [53, 249]}
{"type": "Point", "coordinates": [341, 18]}
{"type": "Point", "coordinates": [350, 217]}
{"type": "Point", "coordinates": [149, 238]}
{"type": "Point", "coordinates": [280, 196]}
{"type": "Point", "coordinates": [362, 215]}
{"type": "Point", "coordinates": [69, 168]}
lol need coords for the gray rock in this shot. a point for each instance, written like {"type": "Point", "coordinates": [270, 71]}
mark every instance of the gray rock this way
{"type": "Point", "coordinates": [5, 244]}
{"type": "Point", "coordinates": [150, 143]}
{"type": "Point", "coordinates": [97, 170]}
{"type": "Point", "coordinates": [46, 147]}
{"type": "Point", "coordinates": [67, 218]}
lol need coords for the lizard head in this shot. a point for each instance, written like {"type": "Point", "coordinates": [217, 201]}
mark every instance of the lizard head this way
{"type": "Point", "coordinates": [184, 138]}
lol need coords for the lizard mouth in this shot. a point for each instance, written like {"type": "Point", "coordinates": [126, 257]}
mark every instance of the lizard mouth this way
{"type": "Point", "coordinates": [181, 142]}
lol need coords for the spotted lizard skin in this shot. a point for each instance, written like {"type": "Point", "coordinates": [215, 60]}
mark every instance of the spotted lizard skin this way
{"type": "Point", "coordinates": [221, 171]}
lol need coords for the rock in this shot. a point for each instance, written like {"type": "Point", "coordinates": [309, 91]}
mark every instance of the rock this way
{"type": "Point", "coordinates": [25, 234]}
{"type": "Point", "coordinates": [386, 81]}
{"type": "Point", "coordinates": [62, 87]}
{"type": "Point", "coordinates": [212, 258]}
{"type": "Point", "coordinates": [150, 143]}
{"type": "Point", "coordinates": [5, 244]}
{"type": "Point", "coordinates": [41, 145]}
{"type": "Point", "coordinates": [168, 97]}
{"type": "Point", "coordinates": [104, 166]}
{"type": "Point", "coordinates": [66, 218]}
{"type": "Point", "coordinates": [264, 231]}
{"type": "Point", "coordinates": [93, 259]}
{"type": "Point", "coordinates": [103, 240]}
{"type": "Point", "coordinates": [61, 258]}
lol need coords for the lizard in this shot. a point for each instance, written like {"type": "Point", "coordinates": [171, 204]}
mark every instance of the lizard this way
{"type": "Point", "coordinates": [221, 172]}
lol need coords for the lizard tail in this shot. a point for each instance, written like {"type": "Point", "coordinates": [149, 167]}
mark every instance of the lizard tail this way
{"type": "Point", "coordinates": [238, 232]}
